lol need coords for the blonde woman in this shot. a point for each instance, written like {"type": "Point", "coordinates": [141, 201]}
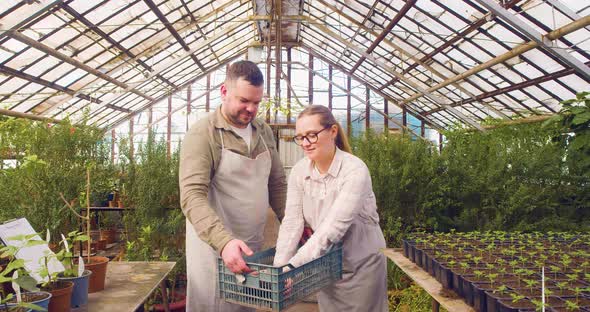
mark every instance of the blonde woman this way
{"type": "Point", "coordinates": [330, 190]}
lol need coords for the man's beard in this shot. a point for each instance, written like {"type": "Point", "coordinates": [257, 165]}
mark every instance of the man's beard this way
{"type": "Point", "coordinates": [238, 121]}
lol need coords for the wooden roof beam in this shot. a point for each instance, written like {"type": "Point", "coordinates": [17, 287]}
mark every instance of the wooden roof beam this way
{"type": "Point", "coordinates": [410, 56]}
{"type": "Point", "coordinates": [46, 49]}
{"type": "Point", "coordinates": [340, 68]}
{"type": "Point", "coordinates": [518, 50]}
{"type": "Point", "coordinates": [542, 41]}
{"type": "Point", "coordinates": [517, 86]}
{"type": "Point", "coordinates": [186, 84]}
{"type": "Point", "coordinates": [313, 23]}
{"type": "Point", "coordinates": [110, 40]}
{"type": "Point", "coordinates": [194, 20]}
{"type": "Point", "coordinates": [450, 42]}
{"type": "Point", "coordinates": [173, 31]}
{"type": "Point", "coordinates": [165, 66]}
{"type": "Point", "coordinates": [13, 72]}
{"type": "Point", "coordinates": [409, 4]}
{"type": "Point", "coordinates": [11, 113]}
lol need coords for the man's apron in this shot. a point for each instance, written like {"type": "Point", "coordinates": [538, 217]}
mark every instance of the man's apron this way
{"type": "Point", "coordinates": [239, 195]}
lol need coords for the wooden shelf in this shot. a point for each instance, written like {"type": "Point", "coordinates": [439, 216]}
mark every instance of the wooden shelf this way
{"type": "Point", "coordinates": [445, 297]}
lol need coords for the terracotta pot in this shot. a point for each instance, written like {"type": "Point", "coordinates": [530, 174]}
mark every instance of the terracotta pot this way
{"type": "Point", "coordinates": [98, 266]}
{"type": "Point", "coordinates": [61, 296]}
{"type": "Point", "coordinates": [101, 244]}
{"type": "Point", "coordinates": [93, 246]}
{"type": "Point", "coordinates": [109, 235]}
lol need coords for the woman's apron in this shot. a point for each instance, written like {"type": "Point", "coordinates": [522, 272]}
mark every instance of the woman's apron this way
{"type": "Point", "coordinates": [363, 286]}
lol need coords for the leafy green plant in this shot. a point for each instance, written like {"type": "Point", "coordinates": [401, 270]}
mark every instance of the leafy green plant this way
{"type": "Point", "coordinates": [561, 285]}
{"type": "Point", "coordinates": [492, 277]}
{"type": "Point", "coordinates": [502, 289]}
{"type": "Point", "coordinates": [574, 118]}
{"type": "Point", "coordinates": [516, 297]}
{"type": "Point", "coordinates": [24, 280]}
{"type": "Point", "coordinates": [46, 159]}
{"type": "Point", "coordinates": [66, 255]}
{"type": "Point", "coordinates": [539, 305]}
{"type": "Point", "coordinates": [478, 274]}
{"type": "Point", "coordinates": [571, 305]}
{"type": "Point", "coordinates": [530, 283]}
{"type": "Point", "coordinates": [15, 271]}
{"type": "Point", "coordinates": [141, 250]}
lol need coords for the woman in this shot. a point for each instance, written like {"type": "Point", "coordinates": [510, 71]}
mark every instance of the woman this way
{"type": "Point", "coordinates": [330, 190]}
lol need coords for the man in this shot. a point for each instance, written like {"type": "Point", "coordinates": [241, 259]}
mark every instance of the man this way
{"type": "Point", "coordinates": [230, 172]}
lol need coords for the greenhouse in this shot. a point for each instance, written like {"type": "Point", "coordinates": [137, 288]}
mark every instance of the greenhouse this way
{"type": "Point", "coordinates": [318, 155]}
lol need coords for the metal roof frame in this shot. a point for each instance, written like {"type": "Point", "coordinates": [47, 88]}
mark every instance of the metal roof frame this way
{"type": "Point", "coordinates": [443, 62]}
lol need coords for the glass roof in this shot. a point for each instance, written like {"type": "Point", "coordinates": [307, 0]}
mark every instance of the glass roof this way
{"type": "Point", "coordinates": [444, 62]}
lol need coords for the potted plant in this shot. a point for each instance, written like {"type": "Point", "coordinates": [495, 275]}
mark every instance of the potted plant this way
{"type": "Point", "coordinates": [75, 273]}
{"type": "Point", "coordinates": [14, 273]}
{"type": "Point", "coordinates": [97, 265]}
{"type": "Point", "coordinates": [108, 226]}
{"type": "Point", "coordinates": [61, 291]}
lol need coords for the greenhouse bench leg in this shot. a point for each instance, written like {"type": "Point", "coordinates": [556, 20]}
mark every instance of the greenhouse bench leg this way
{"type": "Point", "coordinates": [435, 305]}
{"type": "Point", "coordinates": [164, 295]}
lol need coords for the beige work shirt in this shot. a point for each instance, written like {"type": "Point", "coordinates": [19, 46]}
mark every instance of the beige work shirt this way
{"type": "Point", "coordinates": [338, 205]}
{"type": "Point", "coordinates": [199, 158]}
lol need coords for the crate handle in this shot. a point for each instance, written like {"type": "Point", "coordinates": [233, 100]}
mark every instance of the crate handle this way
{"type": "Point", "coordinates": [332, 246]}
{"type": "Point", "coordinates": [240, 278]}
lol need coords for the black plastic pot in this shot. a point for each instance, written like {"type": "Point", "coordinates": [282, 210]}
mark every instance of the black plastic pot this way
{"type": "Point", "coordinates": [457, 283]}
{"type": "Point", "coordinates": [427, 255]}
{"type": "Point", "coordinates": [479, 296]}
{"type": "Point", "coordinates": [467, 288]}
{"type": "Point", "coordinates": [418, 256]}
{"type": "Point", "coordinates": [411, 249]}
{"type": "Point", "coordinates": [435, 266]}
{"type": "Point", "coordinates": [406, 248]}
{"type": "Point", "coordinates": [492, 299]}
{"type": "Point", "coordinates": [445, 276]}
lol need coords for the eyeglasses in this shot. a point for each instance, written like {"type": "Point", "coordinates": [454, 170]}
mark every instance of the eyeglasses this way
{"type": "Point", "coordinates": [311, 137]}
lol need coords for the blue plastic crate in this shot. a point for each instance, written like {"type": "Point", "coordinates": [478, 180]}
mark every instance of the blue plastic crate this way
{"type": "Point", "coordinates": [267, 290]}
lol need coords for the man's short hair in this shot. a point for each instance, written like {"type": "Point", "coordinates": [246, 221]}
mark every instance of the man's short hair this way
{"type": "Point", "coordinates": [246, 70]}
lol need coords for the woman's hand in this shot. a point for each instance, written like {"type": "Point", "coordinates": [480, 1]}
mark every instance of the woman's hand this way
{"type": "Point", "coordinates": [288, 282]}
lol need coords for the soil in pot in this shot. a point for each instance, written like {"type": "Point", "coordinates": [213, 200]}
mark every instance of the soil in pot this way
{"type": "Point", "coordinates": [508, 305]}
{"type": "Point", "coordinates": [562, 292]}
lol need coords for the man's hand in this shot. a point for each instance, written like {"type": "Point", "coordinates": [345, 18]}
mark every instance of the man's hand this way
{"type": "Point", "coordinates": [232, 256]}
{"type": "Point", "coordinates": [307, 232]}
